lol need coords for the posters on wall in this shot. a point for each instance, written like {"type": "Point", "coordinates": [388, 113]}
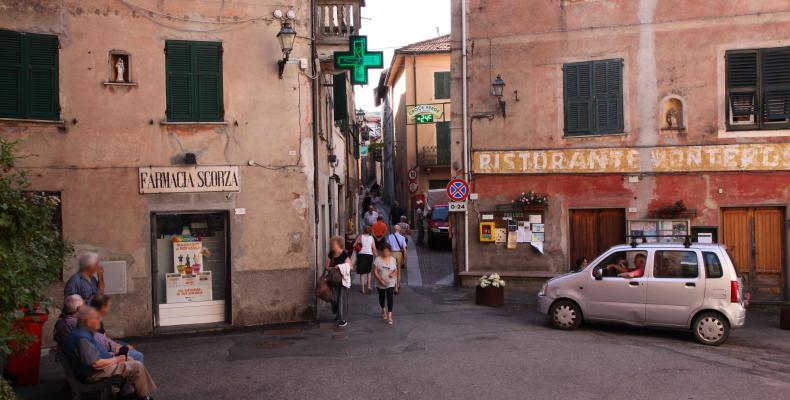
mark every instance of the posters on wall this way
{"type": "Point", "coordinates": [187, 256]}
{"type": "Point", "coordinates": [500, 235]}
{"type": "Point", "coordinates": [185, 288]}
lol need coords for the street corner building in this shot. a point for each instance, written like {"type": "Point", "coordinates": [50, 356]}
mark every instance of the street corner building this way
{"type": "Point", "coordinates": [206, 150]}
{"type": "Point", "coordinates": [594, 123]}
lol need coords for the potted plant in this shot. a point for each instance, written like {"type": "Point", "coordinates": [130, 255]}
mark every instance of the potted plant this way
{"type": "Point", "coordinates": [32, 254]}
{"type": "Point", "coordinates": [531, 200]}
{"type": "Point", "coordinates": [784, 316]}
{"type": "Point", "coordinates": [490, 291]}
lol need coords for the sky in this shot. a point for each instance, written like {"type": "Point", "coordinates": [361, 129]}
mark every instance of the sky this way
{"type": "Point", "coordinates": [390, 24]}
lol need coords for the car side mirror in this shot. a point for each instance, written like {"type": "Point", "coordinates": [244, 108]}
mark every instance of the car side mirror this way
{"type": "Point", "coordinates": [598, 274]}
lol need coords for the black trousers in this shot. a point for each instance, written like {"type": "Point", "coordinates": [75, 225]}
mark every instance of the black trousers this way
{"type": "Point", "coordinates": [387, 294]}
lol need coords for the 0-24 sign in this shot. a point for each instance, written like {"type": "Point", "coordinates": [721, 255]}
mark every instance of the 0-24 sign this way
{"type": "Point", "coordinates": [456, 206]}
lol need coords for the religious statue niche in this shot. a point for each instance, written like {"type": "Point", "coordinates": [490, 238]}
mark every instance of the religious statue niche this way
{"type": "Point", "coordinates": [120, 67]}
{"type": "Point", "coordinates": [673, 118]}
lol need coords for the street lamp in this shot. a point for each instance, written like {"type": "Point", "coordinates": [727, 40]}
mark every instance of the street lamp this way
{"type": "Point", "coordinates": [286, 37]}
{"type": "Point", "coordinates": [497, 90]}
{"type": "Point", "coordinates": [360, 115]}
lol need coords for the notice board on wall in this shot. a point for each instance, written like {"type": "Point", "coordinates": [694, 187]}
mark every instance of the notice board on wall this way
{"type": "Point", "coordinates": [516, 227]}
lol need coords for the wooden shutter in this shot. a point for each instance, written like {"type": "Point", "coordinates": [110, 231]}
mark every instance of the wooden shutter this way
{"type": "Point", "coordinates": [208, 80]}
{"type": "Point", "coordinates": [441, 85]}
{"type": "Point", "coordinates": [10, 74]}
{"type": "Point", "coordinates": [768, 240]}
{"type": "Point", "coordinates": [736, 234]}
{"type": "Point", "coordinates": [340, 97]}
{"type": "Point", "coordinates": [178, 66]}
{"type": "Point", "coordinates": [742, 83]}
{"type": "Point", "coordinates": [776, 84]}
{"type": "Point", "coordinates": [43, 76]}
{"type": "Point", "coordinates": [608, 96]}
{"type": "Point", "coordinates": [578, 99]}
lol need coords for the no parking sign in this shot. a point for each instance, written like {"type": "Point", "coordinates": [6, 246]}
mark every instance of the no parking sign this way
{"type": "Point", "coordinates": [458, 190]}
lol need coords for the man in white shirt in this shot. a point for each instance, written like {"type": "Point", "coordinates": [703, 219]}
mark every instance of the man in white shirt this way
{"type": "Point", "coordinates": [397, 243]}
{"type": "Point", "coordinates": [370, 216]}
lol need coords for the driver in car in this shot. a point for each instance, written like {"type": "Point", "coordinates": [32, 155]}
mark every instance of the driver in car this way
{"type": "Point", "coordinates": [623, 269]}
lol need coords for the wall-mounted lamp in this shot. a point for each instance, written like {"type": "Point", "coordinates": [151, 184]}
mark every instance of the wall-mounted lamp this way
{"type": "Point", "coordinates": [361, 116]}
{"type": "Point", "coordinates": [286, 37]}
{"type": "Point", "coordinates": [497, 90]}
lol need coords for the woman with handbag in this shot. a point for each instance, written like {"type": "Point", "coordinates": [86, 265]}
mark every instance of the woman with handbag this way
{"type": "Point", "coordinates": [338, 270]}
{"type": "Point", "coordinates": [366, 251]}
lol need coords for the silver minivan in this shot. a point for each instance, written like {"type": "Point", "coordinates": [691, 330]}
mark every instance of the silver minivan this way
{"type": "Point", "coordinates": [687, 286]}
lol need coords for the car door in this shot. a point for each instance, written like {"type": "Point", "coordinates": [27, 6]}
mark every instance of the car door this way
{"type": "Point", "coordinates": [675, 287]}
{"type": "Point", "coordinates": [616, 298]}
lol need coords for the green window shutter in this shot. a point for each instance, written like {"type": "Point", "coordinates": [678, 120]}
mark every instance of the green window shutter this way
{"type": "Point", "coordinates": [43, 76]}
{"type": "Point", "coordinates": [10, 74]}
{"type": "Point", "coordinates": [608, 96]}
{"type": "Point", "coordinates": [208, 85]}
{"type": "Point", "coordinates": [441, 85]}
{"type": "Point", "coordinates": [178, 67]}
{"type": "Point", "coordinates": [742, 84]}
{"type": "Point", "coordinates": [776, 84]}
{"type": "Point", "coordinates": [578, 98]}
{"type": "Point", "coordinates": [340, 97]}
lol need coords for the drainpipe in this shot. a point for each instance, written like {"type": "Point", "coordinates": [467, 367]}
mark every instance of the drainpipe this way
{"type": "Point", "coordinates": [465, 108]}
{"type": "Point", "coordinates": [314, 83]}
{"type": "Point", "coordinates": [416, 127]}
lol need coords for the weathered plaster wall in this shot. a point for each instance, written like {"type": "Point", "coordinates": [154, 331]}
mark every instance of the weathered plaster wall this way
{"type": "Point", "coordinates": [109, 131]}
{"type": "Point", "coordinates": [670, 48]}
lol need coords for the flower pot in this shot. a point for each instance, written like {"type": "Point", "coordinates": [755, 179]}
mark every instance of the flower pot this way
{"type": "Point", "coordinates": [490, 296]}
{"type": "Point", "coordinates": [784, 318]}
{"type": "Point", "coordinates": [23, 366]}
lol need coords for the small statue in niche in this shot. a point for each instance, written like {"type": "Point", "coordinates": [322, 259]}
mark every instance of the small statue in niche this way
{"type": "Point", "coordinates": [672, 119]}
{"type": "Point", "coordinates": [119, 70]}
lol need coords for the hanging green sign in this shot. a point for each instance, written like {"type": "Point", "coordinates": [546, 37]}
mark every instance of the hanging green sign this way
{"type": "Point", "coordinates": [423, 118]}
{"type": "Point", "coordinates": [358, 59]}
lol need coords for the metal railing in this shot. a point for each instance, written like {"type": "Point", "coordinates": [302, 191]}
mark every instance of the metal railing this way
{"type": "Point", "coordinates": [337, 20]}
{"type": "Point", "coordinates": [435, 155]}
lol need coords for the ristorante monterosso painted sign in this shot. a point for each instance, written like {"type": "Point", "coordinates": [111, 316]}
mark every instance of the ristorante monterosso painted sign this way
{"type": "Point", "coordinates": [734, 157]}
{"type": "Point", "coordinates": [189, 179]}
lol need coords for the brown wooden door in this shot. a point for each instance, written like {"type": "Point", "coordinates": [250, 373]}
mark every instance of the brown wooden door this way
{"type": "Point", "coordinates": [594, 231]}
{"type": "Point", "coordinates": [754, 236]}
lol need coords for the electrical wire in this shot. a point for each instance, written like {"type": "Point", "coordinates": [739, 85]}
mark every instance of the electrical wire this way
{"type": "Point", "coordinates": [299, 148]}
{"type": "Point", "coordinates": [217, 21]}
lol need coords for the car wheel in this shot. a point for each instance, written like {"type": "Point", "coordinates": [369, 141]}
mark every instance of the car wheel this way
{"type": "Point", "coordinates": [565, 315]}
{"type": "Point", "coordinates": [711, 328]}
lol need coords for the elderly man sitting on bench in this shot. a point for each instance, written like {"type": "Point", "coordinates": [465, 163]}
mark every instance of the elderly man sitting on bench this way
{"type": "Point", "coordinates": [92, 362]}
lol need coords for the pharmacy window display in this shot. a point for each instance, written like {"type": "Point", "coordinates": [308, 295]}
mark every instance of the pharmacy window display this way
{"type": "Point", "coordinates": [190, 268]}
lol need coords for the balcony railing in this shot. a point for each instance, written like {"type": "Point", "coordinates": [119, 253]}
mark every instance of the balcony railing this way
{"type": "Point", "coordinates": [337, 20]}
{"type": "Point", "coordinates": [434, 156]}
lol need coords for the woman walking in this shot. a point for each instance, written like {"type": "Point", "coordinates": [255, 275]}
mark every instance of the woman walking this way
{"type": "Point", "coordinates": [366, 251]}
{"type": "Point", "coordinates": [387, 274]}
{"type": "Point", "coordinates": [339, 259]}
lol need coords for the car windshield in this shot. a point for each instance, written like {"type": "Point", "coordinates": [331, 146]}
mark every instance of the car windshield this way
{"type": "Point", "coordinates": [439, 214]}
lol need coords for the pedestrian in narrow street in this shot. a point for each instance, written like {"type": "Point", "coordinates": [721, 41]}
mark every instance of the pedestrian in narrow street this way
{"type": "Point", "coordinates": [397, 244]}
{"type": "Point", "coordinates": [379, 232]}
{"type": "Point", "coordinates": [366, 251]}
{"type": "Point", "coordinates": [371, 216]}
{"type": "Point", "coordinates": [395, 213]}
{"type": "Point", "coordinates": [387, 276]}
{"type": "Point", "coordinates": [419, 215]}
{"type": "Point", "coordinates": [339, 259]}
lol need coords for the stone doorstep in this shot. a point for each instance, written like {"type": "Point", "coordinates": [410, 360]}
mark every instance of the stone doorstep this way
{"type": "Point", "coordinates": [524, 282]}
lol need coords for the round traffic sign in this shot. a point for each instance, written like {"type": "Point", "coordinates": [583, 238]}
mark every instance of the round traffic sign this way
{"type": "Point", "coordinates": [413, 186]}
{"type": "Point", "coordinates": [412, 174]}
{"type": "Point", "coordinates": [458, 190]}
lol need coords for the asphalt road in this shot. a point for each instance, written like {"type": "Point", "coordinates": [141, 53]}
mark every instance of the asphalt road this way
{"type": "Point", "coordinates": [444, 347]}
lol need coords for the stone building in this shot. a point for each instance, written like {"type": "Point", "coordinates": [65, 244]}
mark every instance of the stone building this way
{"type": "Point", "coordinates": [649, 117]}
{"type": "Point", "coordinates": [208, 178]}
{"type": "Point", "coordinates": [418, 96]}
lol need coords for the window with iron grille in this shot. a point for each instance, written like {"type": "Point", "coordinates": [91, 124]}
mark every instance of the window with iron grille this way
{"type": "Point", "coordinates": [194, 81]}
{"type": "Point", "coordinates": [28, 76]}
{"type": "Point", "coordinates": [593, 97]}
{"type": "Point", "coordinates": [758, 89]}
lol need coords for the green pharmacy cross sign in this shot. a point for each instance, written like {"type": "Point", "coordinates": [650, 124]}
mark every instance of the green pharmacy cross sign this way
{"type": "Point", "coordinates": [358, 59]}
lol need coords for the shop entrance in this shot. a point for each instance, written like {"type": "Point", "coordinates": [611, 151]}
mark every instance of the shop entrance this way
{"type": "Point", "coordinates": [755, 240]}
{"type": "Point", "coordinates": [593, 231]}
{"type": "Point", "coordinates": [190, 268]}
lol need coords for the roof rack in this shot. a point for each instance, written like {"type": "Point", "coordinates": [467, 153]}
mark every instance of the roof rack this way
{"type": "Point", "coordinates": [686, 239]}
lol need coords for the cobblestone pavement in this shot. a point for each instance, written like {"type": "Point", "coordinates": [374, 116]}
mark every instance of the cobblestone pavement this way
{"type": "Point", "coordinates": [435, 264]}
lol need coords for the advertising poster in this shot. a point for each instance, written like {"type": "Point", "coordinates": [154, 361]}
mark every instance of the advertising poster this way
{"type": "Point", "coordinates": [500, 235]}
{"type": "Point", "coordinates": [188, 287]}
{"type": "Point", "coordinates": [187, 257]}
